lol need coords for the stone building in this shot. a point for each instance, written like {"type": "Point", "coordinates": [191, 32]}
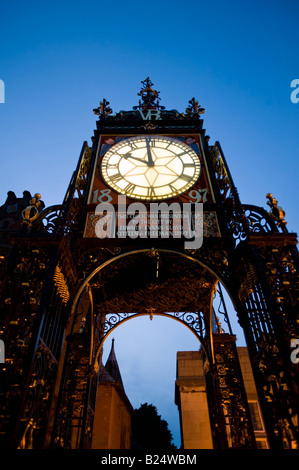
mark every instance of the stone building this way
{"type": "Point", "coordinates": [112, 428]}
{"type": "Point", "coordinates": [191, 397]}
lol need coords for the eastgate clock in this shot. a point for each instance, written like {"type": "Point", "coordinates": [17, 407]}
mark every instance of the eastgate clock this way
{"type": "Point", "coordinates": [150, 167]}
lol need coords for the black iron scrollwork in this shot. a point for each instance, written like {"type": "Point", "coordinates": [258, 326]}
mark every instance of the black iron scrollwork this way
{"type": "Point", "coordinates": [194, 320]}
{"type": "Point", "coordinates": [49, 219]}
{"type": "Point", "coordinates": [259, 219]}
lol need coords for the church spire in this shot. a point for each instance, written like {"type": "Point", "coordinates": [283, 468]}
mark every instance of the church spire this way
{"type": "Point", "coordinates": [112, 367]}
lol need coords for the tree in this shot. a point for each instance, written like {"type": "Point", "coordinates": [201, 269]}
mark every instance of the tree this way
{"type": "Point", "coordinates": [150, 432]}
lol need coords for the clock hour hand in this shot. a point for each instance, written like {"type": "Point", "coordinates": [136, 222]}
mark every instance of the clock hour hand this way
{"type": "Point", "coordinates": [128, 155]}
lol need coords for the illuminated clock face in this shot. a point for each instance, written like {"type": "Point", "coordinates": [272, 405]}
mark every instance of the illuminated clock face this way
{"type": "Point", "coordinates": [150, 167]}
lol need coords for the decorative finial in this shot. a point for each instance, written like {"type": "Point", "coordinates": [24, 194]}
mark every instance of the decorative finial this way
{"type": "Point", "coordinates": [104, 109]}
{"type": "Point", "coordinates": [276, 212]}
{"type": "Point", "coordinates": [219, 326]}
{"type": "Point", "coordinates": [151, 311]}
{"type": "Point", "coordinates": [82, 326]}
{"type": "Point", "coordinates": [194, 110]}
{"type": "Point", "coordinates": [149, 96]}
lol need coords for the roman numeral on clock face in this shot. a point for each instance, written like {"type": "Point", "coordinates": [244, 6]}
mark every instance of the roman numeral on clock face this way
{"type": "Point", "coordinates": [113, 166]}
{"type": "Point", "coordinates": [151, 191]}
{"type": "Point", "coordinates": [133, 146]}
{"type": "Point", "coordinates": [173, 189]}
{"type": "Point", "coordinates": [189, 165]}
{"type": "Point", "coordinates": [185, 177]}
{"type": "Point", "coordinates": [130, 188]}
{"type": "Point", "coordinates": [115, 178]}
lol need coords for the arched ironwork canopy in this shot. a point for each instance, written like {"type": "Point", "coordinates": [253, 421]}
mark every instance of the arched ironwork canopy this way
{"type": "Point", "coordinates": [149, 282]}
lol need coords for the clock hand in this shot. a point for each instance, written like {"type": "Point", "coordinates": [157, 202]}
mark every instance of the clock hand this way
{"type": "Point", "coordinates": [149, 154]}
{"type": "Point", "coordinates": [128, 155]}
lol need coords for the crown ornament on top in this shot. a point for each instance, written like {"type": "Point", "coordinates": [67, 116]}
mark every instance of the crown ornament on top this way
{"type": "Point", "coordinates": [150, 100]}
{"type": "Point", "coordinates": [149, 97]}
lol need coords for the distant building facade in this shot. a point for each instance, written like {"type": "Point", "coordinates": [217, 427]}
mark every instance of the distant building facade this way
{"type": "Point", "coordinates": [191, 398]}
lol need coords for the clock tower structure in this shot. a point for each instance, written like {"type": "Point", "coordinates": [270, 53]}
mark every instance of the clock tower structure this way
{"type": "Point", "coordinates": [151, 224]}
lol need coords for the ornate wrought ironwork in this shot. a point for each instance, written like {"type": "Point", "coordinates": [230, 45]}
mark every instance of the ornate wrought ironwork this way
{"type": "Point", "coordinates": [231, 421]}
{"type": "Point", "coordinates": [34, 420]}
{"type": "Point", "coordinates": [269, 293]}
{"type": "Point", "coordinates": [49, 220]}
{"type": "Point", "coordinates": [221, 174]}
{"type": "Point", "coordinates": [70, 424]}
{"type": "Point", "coordinates": [20, 322]}
{"type": "Point", "coordinates": [195, 321]}
{"type": "Point", "coordinates": [77, 395]}
{"type": "Point", "coordinates": [258, 219]}
{"type": "Point", "coordinates": [65, 219]}
{"type": "Point", "coordinates": [103, 110]}
{"type": "Point", "coordinates": [194, 110]}
{"type": "Point", "coordinates": [220, 309]}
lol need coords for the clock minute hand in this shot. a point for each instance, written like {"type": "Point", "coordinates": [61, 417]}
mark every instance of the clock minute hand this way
{"type": "Point", "coordinates": [150, 161]}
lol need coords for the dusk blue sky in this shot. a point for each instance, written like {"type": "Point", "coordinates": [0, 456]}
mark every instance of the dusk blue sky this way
{"type": "Point", "coordinates": [238, 59]}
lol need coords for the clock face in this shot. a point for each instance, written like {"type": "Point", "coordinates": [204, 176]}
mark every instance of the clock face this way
{"type": "Point", "coordinates": [150, 167]}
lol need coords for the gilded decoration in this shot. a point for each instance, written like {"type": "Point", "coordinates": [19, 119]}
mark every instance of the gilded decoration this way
{"type": "Point", "coordinates": [61, 284]}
